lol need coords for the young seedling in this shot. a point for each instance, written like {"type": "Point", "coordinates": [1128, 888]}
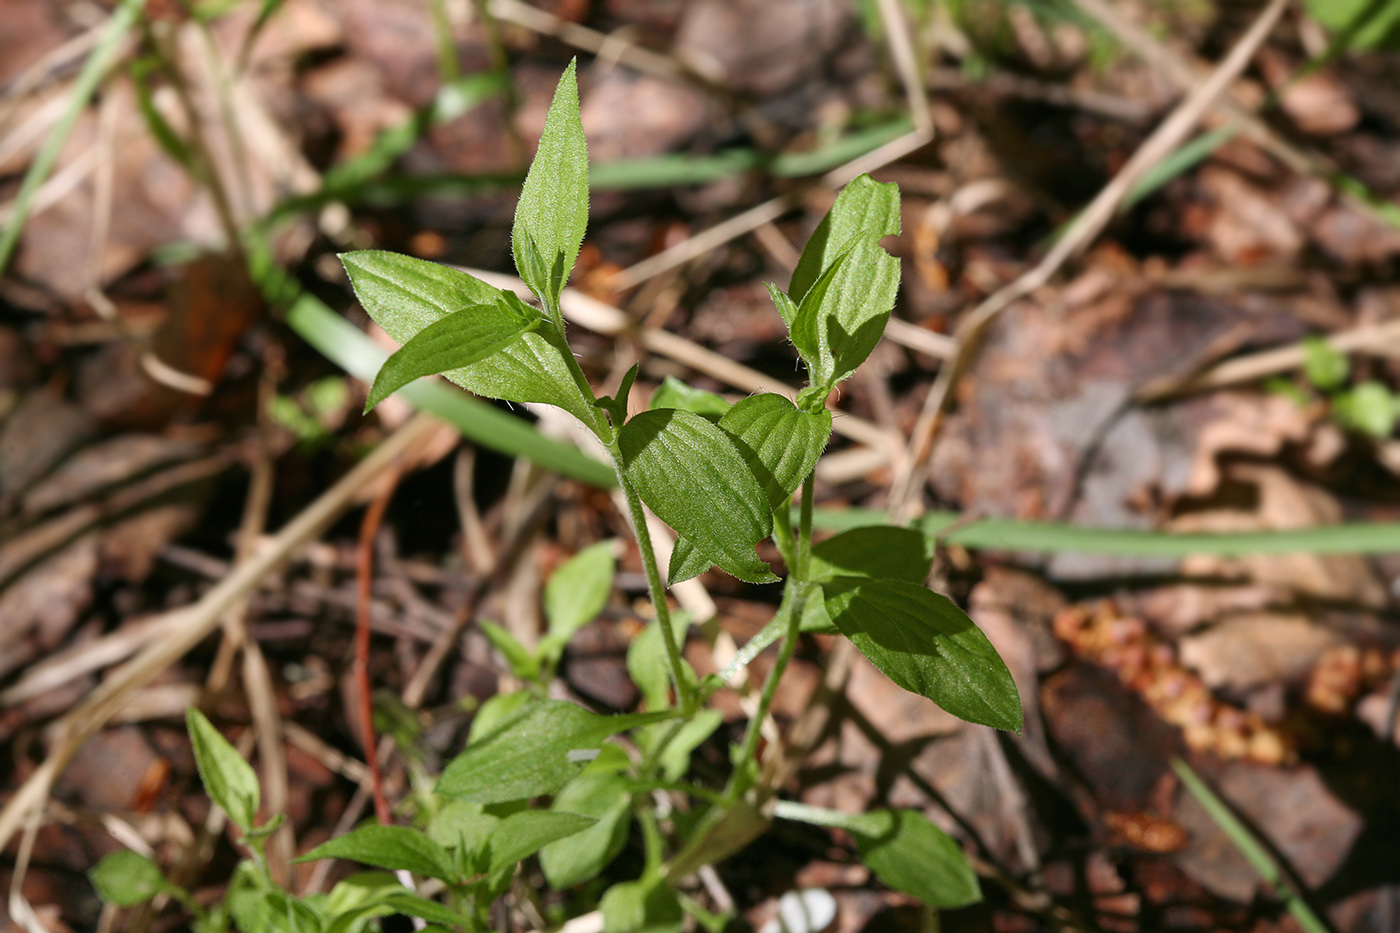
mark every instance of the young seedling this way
{"type": "Point", "coordinates": [724, 477]}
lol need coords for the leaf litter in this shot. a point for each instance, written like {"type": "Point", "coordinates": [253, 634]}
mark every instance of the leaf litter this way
{"type": "Point", "coordinates": [1272, 674]}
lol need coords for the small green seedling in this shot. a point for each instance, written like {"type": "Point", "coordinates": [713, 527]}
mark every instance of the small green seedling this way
{"type": "Point", "coordinates": [1367, 407]}
{"type": "Point", "coordinates": [725, 478]}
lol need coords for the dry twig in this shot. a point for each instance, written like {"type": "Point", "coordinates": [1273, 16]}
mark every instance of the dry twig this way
{"type": "Point", "coordinates": [1080, 234]}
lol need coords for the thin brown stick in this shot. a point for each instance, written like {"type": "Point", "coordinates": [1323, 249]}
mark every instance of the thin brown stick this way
{"type": "Point", "coordinates": [364, 577]}
{"type": "Point", "coordinates": [1085, 228]}
{"type": "Point", "coordinates": [740, 224]}
{"type": "Point", "coordinates": [1375, 340]}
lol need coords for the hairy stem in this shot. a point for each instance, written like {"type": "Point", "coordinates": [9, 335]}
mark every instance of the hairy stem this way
{"type": "Point", "coordinates": [788, 621]}
{"type": "Point", "coordinates": [656, 587]}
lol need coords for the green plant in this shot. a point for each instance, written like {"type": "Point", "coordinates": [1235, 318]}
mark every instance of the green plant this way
{"type": "Point", "coordinates": [724, 477]}
{"type": "Point", "coordinates": [1369, 407]}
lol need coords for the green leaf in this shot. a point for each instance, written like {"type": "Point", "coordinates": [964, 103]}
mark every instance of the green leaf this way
{"type": "Point", "coordinates": [522, 662]}
{"type": "Point", "coordinates": [646, 660]}
{"type": "Point", "coordinates": [687, 562]}
{"type": "Point", "coordinates": [698, 480]}
{"type": "Point", "coordinates": [463, 826]}
{"type": "Point", "coordinates": [228, 779]}
{"type": "Point", "coordinates": [1369, 408]}
{"type": "Point", "coordinates": [257, 908]}
{"type": "Point", "coordinates": [616, 406]}
{"type": "Point", "coordinates": [410, 904]}
{"type": "Point", "coordinates": [404, 295]}
{"type": "Point", "coordinates": [838, 325]}
{"type": "Point", "coordinates": [783, 303]}
{"type": "Point", "coordinates": [805, 330]}
{"type": "Point", "coordinates": [522, 834]}
{"type": "Point", "coordinates": [533, 752]}
{"type": "Point", "coordinates": [1326, 367]}
{"type": "Point", "coordinates": [672, 393]}
{"type": "Point", "coordinates": [457, 340]}
{"type": "Point", "coordinates": [815, 620]}
{"type": "Point", "coordinates": [864, 209]}
{"type": "Point", "coordinates": [785, 441]}
{"type": "Point", "coordinates": [909, 853]}
{"type": "Point", "coordinates": [583, 856]}
{"type": "Point", "coordinates": [645, 906]}
{"type": "Point", "coordinates": [126, 878]}
{"type": "Point", "coordinates": [927, 645]}
{"type": "Point", "coordinates": [874, 552]}
{"type": "Point", "coordinates": [675, 759]}
{"type": "Point", "coordinates": [1360, 24]}
{"type": "Point", "coordinates": [495, 711]}
{"type": "Point", "coordinates": [343, 344]}
{"type": "Point", "coordinates": [396, 848]}
{"type": "Point", "coordinates": [579, 589]}
{"type": "Point", "coordinates": [553, 211]}
{"type": "Point", "coordinates": [361, 890]}
{"type": "Point", "coordinates": [371, 894]}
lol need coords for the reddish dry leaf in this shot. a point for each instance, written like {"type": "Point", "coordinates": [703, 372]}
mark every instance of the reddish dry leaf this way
{"type": "Point", "coordinates": [1317, 102]}
{"type": "Point", "coordinates": [1247, 651]}
{"type": "Point", "coordinates": [38, 610]}
{"type": "Point", "coordinates": [36, 435]}
{"type": "Point", "coordinates": [1248, 224]}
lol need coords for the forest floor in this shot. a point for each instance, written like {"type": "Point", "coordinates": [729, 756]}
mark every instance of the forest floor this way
{"type": "Point", "coordinates": [1213, 354]}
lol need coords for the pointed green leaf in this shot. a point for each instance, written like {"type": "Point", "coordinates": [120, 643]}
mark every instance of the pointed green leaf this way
{"type": "Point", "coordinates": [909, 853]}
{"type": "Point", "coordinates": [672, 393]}
{"type": "Point", "coordinates": [582, 857]}
{"type": "Point", "coordinates": [579, 589]}
{"type": "Point", "coordinates": [698, 480]}
{"type": "Point", "coordinates": [533, 752]}
{"type": "Point", "coordinates": [687, 562]}
{"type": "Point", "coordinates": [404, 295]}
{"type": "Point", "coordinates": [466, 828]}
{"type": "Point", "coordinates": [805, 329]}
{"type": "Point", "coordinates": [553, 211]}
{"type": "Point", "coordinates": [783, 303]}
{"type": "Point", "coordinates": [396, 848]}
{"type": "Point", "coordinates": [228, 779]}
{"type": "Point", "coordinates": [786, 441]}
{"type": "Point", "coordinates": [126, 878]}
{"type": "Point", "coordinates": [522, 662]}
{"type": "Point", "coordinates": [875, 552]}
{"type": "Point", "coordinates": [460, 339]}
{"type": "Point", "coordinates": [927, 645]}
{"type": "Point", "coordinates": [523, 834]}
{"type": "Point", "coordinates": [616, 406]}
{"type": "Point", "coordinates": [864, 209]}
{"type": "Point", "coordinates": [843, 317]}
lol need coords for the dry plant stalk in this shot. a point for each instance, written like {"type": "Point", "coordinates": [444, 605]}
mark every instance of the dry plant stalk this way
{"type": "Point", "coordinates": [1090, 222]}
